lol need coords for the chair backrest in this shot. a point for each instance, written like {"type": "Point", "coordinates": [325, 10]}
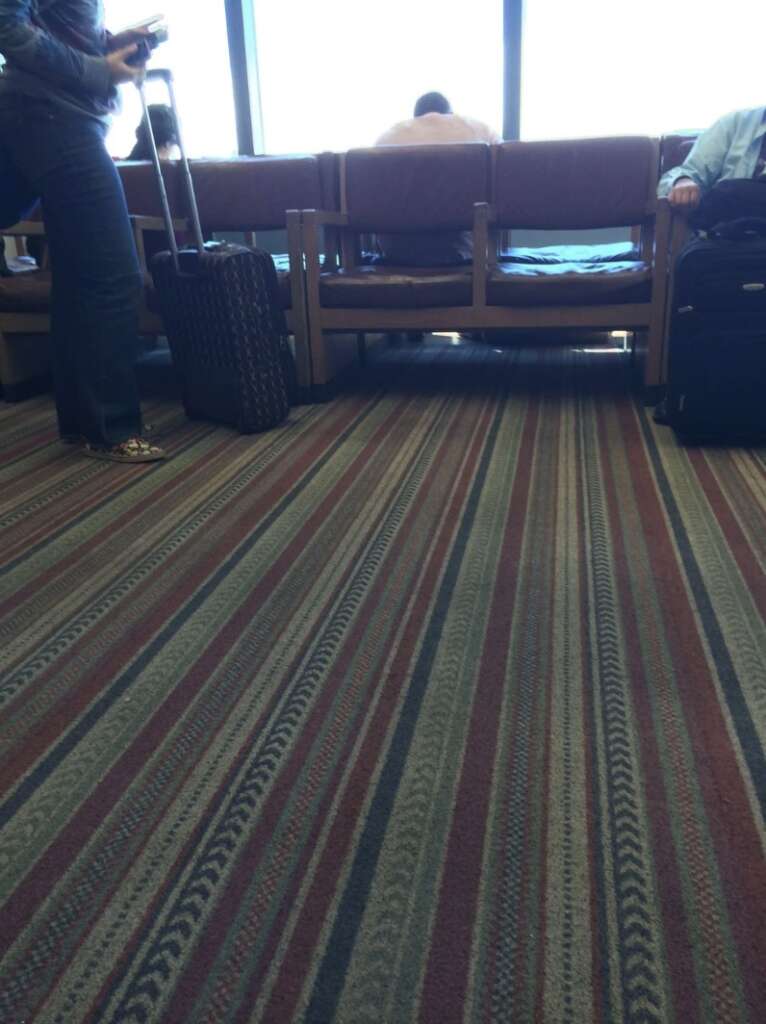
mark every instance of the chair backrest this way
{"type": "Point", "coordinates": [239, 194]}
{"type": "Point", "coordinates": [329, 175]}
{"type": "Point", "coordinates": [415, 188]}
{"type": "Point", "coordinates": [674, 149]}
{"type": "Point", "coordinates": [141, 192]}
{"type": "Point", "coordinates": [574, 183]}
{"type": "Point", "coordinates": [255, 193]}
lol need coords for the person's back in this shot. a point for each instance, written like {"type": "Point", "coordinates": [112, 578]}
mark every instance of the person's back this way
{"type": "Point", "coordinates": [433, 123]}
{"type": "Point", "coordinates": [432, 129]}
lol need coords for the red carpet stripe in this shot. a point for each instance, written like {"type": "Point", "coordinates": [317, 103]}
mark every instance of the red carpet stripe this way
{"type": "Point", "coordinates": [444, 701]}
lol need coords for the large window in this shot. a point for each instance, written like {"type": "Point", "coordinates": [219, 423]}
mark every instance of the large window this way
{"type": "Point", "coordinates": [609, 67]}
{"type": "Point", "coordinates": [337, 73]}
{"type": "Point", "coordinates": [197, 52]}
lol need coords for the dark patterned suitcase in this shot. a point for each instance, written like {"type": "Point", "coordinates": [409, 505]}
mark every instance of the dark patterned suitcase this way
{"type": "Point", "coordinates": [225, 326]}
{"type": "Point", "coordinates": [226, 334]}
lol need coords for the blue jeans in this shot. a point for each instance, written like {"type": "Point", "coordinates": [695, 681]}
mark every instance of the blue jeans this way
{"type": "Point", "coordinates": [60, 158]}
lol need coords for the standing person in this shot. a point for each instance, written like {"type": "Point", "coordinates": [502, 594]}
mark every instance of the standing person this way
{"type": "Point", "coordinates": [57, 90]}
{"type": "Point", "coordinates": [433, 123]}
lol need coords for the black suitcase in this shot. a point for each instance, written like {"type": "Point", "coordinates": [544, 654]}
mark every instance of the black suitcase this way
{"type": "Point", "coordinates": [717, 345]}
{"type": "Point", "coordinates": [225, 326]}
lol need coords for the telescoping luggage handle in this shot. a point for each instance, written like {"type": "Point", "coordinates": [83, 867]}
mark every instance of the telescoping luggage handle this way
{"type": "Point", "coordinates": [167, 76]}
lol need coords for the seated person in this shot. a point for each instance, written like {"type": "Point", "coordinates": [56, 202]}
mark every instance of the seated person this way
{"type": "Point", "coordinates": [733, 147]}
{"type": "Point", "coordinates": [165, 135]}
{"type": "Point", "coordinates": [166, 139]}
{"type": "Point", "coordinates": [433, 123]}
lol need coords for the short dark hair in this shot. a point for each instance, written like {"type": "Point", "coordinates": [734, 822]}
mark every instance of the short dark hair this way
{"type": "Point", "coordinates": [432, 103]}
{"type": "Point", "coordinates": [165, 132]}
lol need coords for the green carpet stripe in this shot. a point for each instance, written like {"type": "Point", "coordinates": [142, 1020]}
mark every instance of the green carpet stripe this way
{"type": "Point", "coordinates": [446, 700]}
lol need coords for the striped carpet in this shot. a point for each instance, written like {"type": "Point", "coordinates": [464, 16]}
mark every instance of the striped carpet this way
{"type": "Point", "coordinates": [443, 702]}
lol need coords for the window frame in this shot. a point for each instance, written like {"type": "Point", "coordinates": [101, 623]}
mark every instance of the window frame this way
{"type": "Point", "coordinates": [243, 57]}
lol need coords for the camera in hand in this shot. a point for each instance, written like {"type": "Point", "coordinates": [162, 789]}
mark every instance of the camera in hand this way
{"type": "Point", "coordinates": [158, 33]}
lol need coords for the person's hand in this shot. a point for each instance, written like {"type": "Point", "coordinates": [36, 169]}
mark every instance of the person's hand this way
{"type": "Point", "coordinates": [685, 194]}
{"type": "Point", "coordinates": [130, 35]}
{"type": "Point", "coordinates": [119, 71]}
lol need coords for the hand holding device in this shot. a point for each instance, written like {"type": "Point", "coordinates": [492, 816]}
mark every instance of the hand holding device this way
{"type": "Point", "coordinates": [147, 35]}
{"type": "Point", "coordinates": [120, 68]}
{"type": "Point", "coordinates": [154, 32]}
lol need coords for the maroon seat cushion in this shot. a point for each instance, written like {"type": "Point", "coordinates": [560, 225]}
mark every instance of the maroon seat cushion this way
{"type": "Point", "coordinates": [26, 293]}
{"type": "Point", "coordinates": [569, 284]}
{"type": "Point", "coordinates": [395, 288]}
{"type": "Point", "coordinates": [603, 252]}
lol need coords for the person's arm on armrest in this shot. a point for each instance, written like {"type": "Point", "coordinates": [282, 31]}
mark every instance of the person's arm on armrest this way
{"type": "Point", "coordinates": [685, 194]}
{"type": "Point", "coordinates": [36, 51]}
{"type": "Point", "coordinates": [685, 184]}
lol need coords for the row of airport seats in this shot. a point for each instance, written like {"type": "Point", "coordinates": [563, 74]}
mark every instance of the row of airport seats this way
{"type": "Point", "coordinates": [326, 208]}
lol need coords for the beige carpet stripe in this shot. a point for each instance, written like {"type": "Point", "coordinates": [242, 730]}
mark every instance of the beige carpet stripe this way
{"type": "Point", "coordinates": [392, 931]}
{"type": "Point", "coordinates": [375, 498]}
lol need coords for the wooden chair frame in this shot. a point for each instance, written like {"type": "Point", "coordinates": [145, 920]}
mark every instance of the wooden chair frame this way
{"type": "Point", "coordinates": [653, 235]}
{"type": "Point", "coordinates": [679, 235]}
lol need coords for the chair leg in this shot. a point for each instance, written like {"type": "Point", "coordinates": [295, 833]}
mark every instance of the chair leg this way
{"type": "Point", "coordinates": [320, 377]}
{"type": "Point", "coordinates": [655, 352]}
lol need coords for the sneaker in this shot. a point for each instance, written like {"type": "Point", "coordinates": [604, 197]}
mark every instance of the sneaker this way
{"type": "Point", "coordinates": [135, 449]}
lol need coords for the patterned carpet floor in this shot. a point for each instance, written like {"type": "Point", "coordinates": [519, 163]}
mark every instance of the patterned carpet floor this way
{"type": "Point", "coordinates": [443, 702]}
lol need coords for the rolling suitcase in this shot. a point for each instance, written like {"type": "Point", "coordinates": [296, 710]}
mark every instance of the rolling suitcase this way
{"type": "Point", "coordinates": [717, 346]}
{"type": "Point", "coordinates": [225, 327]}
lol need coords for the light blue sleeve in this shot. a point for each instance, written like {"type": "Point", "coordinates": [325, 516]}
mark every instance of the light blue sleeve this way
{"type": "Point", "coordinates": [705, 162]}
{"type": "Point", "coordinates": [36, 51]}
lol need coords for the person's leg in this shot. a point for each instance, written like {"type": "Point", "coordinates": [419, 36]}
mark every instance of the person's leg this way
{"type": "Point", "coordinates": [16, 198]}
{"type": "Point", "coordinates": [96, 289]}
{"type": "Point", "coordinates": [95, 273]}
{"type": "Point", "coordinates": [64, 319]}
{"type": "Point", "coordinates": [17, 195]}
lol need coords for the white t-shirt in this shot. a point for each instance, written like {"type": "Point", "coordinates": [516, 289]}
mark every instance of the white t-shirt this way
{"type": "Point", "coordinates": [435, 128]}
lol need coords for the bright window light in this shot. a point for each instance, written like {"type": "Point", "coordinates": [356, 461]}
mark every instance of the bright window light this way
{"type": "Point", "coordinates": [609, 67]}
{"type": "Point", "coordinates": [337, 74]}
{"type": "Point", "coordinates": [198, 54]}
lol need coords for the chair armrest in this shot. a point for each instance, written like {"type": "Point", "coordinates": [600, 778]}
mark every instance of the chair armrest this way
{"type": "Point", "coordinates": [486, 210]}
{"type": "Point", "coordinates": [484, 253]}
{"type": "Point", "coordinates": [140, 223]}
{"type": "Point", "coordinates": [312, 221]}
{"type": "Point", "coordinates": [25, 227]}
{"type": "Point", "coordinates": [145, 223]}
{"type": "Point", "coordinates": [294, 225]}
{"type": "Point", "coordinates": [325, 218]}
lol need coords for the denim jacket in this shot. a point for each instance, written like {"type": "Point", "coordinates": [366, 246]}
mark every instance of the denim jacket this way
{"type": "Point", "coordinates": [55, 49]}
{"type": "Point", "coordinates": [728, 149]}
